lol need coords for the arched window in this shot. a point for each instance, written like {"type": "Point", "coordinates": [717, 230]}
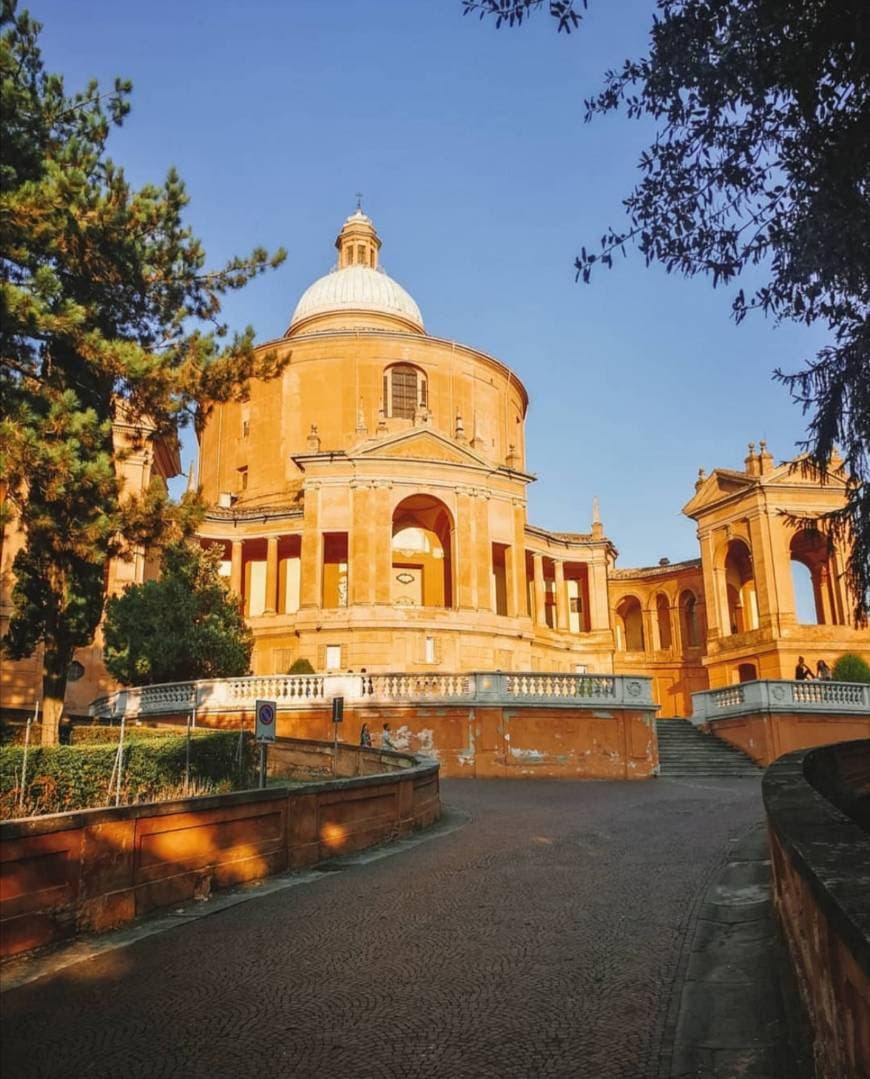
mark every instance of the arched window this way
{"type": "Point", "coordinates": [405, 390]}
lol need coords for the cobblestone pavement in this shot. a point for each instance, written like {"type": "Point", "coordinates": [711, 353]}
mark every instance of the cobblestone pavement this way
{"type": "Point", "coordinates": [545, 938]}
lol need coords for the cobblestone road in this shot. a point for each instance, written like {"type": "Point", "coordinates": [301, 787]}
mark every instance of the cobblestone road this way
{"type": "Point", "coordinates": [545, 938]}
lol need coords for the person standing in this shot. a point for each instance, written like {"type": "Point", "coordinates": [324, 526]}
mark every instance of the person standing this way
{"type": "Point", "coordinates": [386, 738]}
{"type": "Point", "coordinates": [365, 736]}
{"type": "Point", "coordinates": [802, 671]}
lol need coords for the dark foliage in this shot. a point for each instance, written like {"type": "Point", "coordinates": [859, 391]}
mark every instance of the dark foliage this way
{"type": "Point", "coordinates": [761, 158]}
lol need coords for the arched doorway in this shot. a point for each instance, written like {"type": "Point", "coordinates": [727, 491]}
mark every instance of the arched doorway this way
{"type": "Point", "coordinates": [747, 672]}
{"type": "Point", "coordinates": [629, 625]}
{"type": "Point", "coordinates": [421, 569]}
{"type": "Point", "coordinates": [740, 585]}
{"type": "Point", "coordinates": [663, 620]}
{"type": "Point", "coordinates": [689, 627]}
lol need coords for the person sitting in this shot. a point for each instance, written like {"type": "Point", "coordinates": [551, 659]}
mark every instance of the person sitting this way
{"type": "Point", "coordinates": [823, 671]}
{"type": "Point", "coordinates": [802, 672]}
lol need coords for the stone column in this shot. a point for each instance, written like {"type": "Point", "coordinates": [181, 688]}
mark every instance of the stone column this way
{"type": "Point", "coordinates": [464, 571]}
{"type": "Point", "coordinates": [676, 628]}
{"type": "Point", "coordinates": [599, 601]}
{"type": "Point", "coordinates": [561, 596]}
{"type": "Point", "coordinates": [360, 545]}
{"type": "Point", "coordinates": [540, 595]}
{"type": "Point", "coordinates": [482, 551]}
{"type": "Point", "coordinates": [824, 594]}
{"type": "Point", "coordinates": [311, 566]}
{"type": "Point", "coordinates": [381, 523]}
{"type": "Point", "coordinates": [519, 592]}
{"type": "Point", "coordinates": [271, 575]}
{"type": "Point", "coordinates": [236, 567]}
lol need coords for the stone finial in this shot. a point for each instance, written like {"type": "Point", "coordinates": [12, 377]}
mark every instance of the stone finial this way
{"type": "Point", "coordinates": [699, 482]}
{"type": "Point", "coordinates": [361, 428]}
{"type": "Point", "coordinates": [751, 462]}
{"type": "Point", "coordinates": [313, 439]}
{"type": "Point", "coordinates": [382, 421]}
{"type": "Point", "coordinates": [597, 526]}
{"type": "Point", "coordinates": [513, 458]}
{"type": "Point", "coordinates": [765, 459]}
{"type": "Point", "coordinates": [476, 440]}
{"type": "Point", "coordinates": [459, 428]}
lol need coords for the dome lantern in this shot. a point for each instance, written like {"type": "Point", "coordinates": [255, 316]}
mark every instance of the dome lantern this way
{"type": "Point", "coordinates": [356, 293]}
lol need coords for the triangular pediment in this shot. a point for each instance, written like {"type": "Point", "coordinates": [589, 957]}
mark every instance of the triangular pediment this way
{"type": "Point", "coordinates": [720, 484]}
{"type": "Point", "coordinates": [421, 445]}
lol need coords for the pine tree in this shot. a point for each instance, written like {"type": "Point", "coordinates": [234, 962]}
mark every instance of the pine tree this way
{"type": "Point", "coordinates": [106, 311]}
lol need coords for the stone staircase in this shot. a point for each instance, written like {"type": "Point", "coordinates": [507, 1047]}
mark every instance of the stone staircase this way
{"type": "Point", "coordinates": [685, 751]}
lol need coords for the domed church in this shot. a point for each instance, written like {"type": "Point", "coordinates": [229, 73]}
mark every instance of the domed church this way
{"type": "Point", "coordinates": [370, 506]}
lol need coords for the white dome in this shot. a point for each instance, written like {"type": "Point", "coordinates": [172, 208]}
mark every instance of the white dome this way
{"type": "Point", "coordinates": [357, 288]}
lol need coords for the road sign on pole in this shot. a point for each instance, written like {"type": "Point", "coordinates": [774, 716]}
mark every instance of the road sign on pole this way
{"type": "Point", "coordinates": [337, 709]}
{"type": "Point", "coordinates": [266, 712]}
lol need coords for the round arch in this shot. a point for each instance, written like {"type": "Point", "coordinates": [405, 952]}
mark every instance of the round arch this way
{"type": "Point", "coordinates": [629, 625]}
{"type": "Point", "coordinates": [740, 587]}
{"type": "Point", "coordinates": [421, 571]}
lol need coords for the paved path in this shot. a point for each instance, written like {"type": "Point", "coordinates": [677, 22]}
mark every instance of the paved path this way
{"type": "Point", "coordinates": [548, 937]}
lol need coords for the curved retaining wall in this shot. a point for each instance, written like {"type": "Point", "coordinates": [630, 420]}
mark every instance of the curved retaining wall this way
{"type": "Point", "coordinates": [96, 869]}
{"type": "Point", "coordinates": [821, 872]}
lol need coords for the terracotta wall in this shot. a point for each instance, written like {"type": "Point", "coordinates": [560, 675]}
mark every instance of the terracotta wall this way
{"type": "Point", "coordinates": [766, 736]}
{"type": "Point", "coordinates": [821, 863]}
{"type": "Point", "coordinates": [532, 741]}
{"type": "Point", "coordinates": [94, 870]}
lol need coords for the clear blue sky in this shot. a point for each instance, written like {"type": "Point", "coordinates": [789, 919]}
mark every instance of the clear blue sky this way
{"type": "Point", "coordinates": [483, 180]}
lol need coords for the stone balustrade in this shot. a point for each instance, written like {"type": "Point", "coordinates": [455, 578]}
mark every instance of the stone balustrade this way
{"type": "Point", "coordinates": [811, 697]}
{"type": "Point", "coordinates": [225, 695]}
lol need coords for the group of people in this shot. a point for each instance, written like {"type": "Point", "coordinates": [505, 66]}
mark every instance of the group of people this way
{"type": "Point", "coordinates": [802, 672]}
{"type": "Point", "coordinates": [365, 737]}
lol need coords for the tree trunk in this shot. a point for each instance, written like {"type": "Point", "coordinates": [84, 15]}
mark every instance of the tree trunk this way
{"type": "Point", "coordinates": [54, 667]}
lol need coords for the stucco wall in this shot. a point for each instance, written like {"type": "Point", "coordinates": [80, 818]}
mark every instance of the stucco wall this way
{"type": "Point", "coordinates": [766, 736]}
{"type": "Point", "coordinates": [821, 873]}
{"type": "Point", "coordinates": [94, 870]}
{"type": "Point", "coordinates": [494, 741]}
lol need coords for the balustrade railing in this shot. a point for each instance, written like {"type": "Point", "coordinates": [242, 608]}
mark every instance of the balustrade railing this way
{"type": "Point", "coordinates": [848, 698]}
{"type": "Point", "coordinates": [238, 694]}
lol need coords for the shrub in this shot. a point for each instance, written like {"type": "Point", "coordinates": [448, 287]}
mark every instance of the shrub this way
{"type": "Point", "coordinates": [851, 668]}
{"type": "Point", "coordinates": [301, 666]}
{"type": "Point", "coordinates": [63, 778]}
{"type": "Point", "coordinates": [91, 735]}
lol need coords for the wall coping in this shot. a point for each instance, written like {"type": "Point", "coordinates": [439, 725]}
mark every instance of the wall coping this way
{"type": "Point", "coordinates": [514, 689]}
{"type": "Point", "coordinates": [829, 850]}
{"type": "Point", "coordinates": [813, 698]}
{"type": "Point", "coordinates": [21, 827]}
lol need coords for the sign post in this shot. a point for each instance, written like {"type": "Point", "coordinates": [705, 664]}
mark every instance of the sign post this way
{"type": "Point", "coordinates": [337, 718]}
{"type": "Point", "coordinates": [266, 711]}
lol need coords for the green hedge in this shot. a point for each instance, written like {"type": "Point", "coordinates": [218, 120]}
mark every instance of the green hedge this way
{"type": "Point", "coordinates": [62, 778]}
{"type": "Point", "coordinates": [851, 668]}
{"type": "Point", "coordinates": [91, 735]}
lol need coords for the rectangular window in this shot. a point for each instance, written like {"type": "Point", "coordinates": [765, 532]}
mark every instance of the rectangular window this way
{"type": "Point", "coordinates": [333, 657]}
{"type": "Point", "coordinates": [246, 427]}
{"type": "Point", "coordinates": [243, 479]}
{"type": "Point", "coordinates": [404, 393]}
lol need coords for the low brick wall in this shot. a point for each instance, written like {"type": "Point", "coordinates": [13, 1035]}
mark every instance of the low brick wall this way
{"type": "Point", "coordinates": [96, 869]}
{"type": "Point", "coordinates": [490, 741]}
{"type": "Point", "coordinates": [767, 736]}
{"type": "Point", "coordinates": [821, 872]}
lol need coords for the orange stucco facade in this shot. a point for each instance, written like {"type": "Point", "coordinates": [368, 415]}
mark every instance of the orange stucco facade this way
{"type": "Point", "coordinates": [370, 505]}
